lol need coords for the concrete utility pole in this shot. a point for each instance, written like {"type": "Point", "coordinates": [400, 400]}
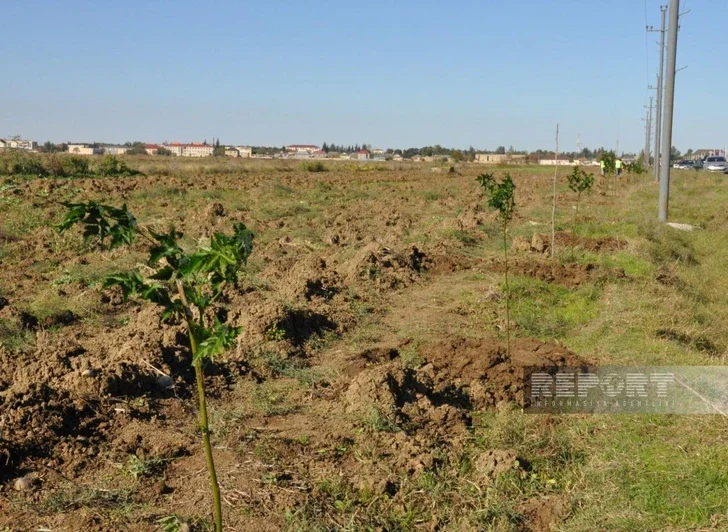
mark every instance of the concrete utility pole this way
{"type": "Point", "coordinates": [669, 101]}
{"type": "Point", "coordinates": [660, 79]}
{"type": "Point", "coordinates": [648, 134]}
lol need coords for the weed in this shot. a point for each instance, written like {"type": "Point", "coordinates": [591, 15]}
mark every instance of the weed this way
{"type": "Point", "coordinates": [140, 467]}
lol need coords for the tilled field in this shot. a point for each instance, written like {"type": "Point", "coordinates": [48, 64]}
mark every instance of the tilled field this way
{"type": "Point", "coordinates": [370, 387]}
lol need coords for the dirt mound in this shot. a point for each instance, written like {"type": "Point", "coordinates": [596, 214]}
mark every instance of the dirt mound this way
{"type": "Point", "coordinates": [541, 243]}
{"type": "Point", "coordinates": [473, 216]}
{"type": "Point", "coordinates": [571, 275]}
{"type": "Point", "coordinates": [457, 375]}
{"type": "Point", "coordinates": [310, 279]}
{"type": "Point", "coordinates": [384, 267]}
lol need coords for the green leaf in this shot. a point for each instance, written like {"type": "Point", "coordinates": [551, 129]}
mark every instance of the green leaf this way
{"type": "Point", "coordinates": [163, 274]}
{"type": "Point", "coordinates": [501, 196]}
{"type": "Point", "coordinates": [167, 248]}
{"type": "Point", "coordinates": [101, 222]}
{"type": "Point", "coordinates": [222, 260]}
{"type": "Point", "coordinates": [214, 341]}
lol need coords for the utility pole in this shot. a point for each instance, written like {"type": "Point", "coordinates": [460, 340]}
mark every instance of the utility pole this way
{"type": "Point", "coordinates": [648, 134]}
{"type": "Point", "coordinates": [660, 78]}
{"type": "Point", "coordinates": [669, 101]}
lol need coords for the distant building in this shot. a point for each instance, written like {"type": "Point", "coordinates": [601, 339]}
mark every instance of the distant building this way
{"type": "Point", "coordinates": [84, 149]}
{"type": "Point", "coordinates": [499, 158]}
{"type": "Point", "coordinates": [310, 148]}
{"type": "Point", "coordinates": [318, 154]}
{"type": "Point", "coordinates": [361, 155]}
{"type": "Point", "coordinates": [244, 151]}
{"type": "Point", "coordinates": [18, 144]}
{"type": "Point", "coordinates": [558, 162]}
{"type": "Point", "coordinates": [151, 149]}
{"type": "Point", "coordinates": [397, 157]}
{"type": "Point", "coordinates": [703, 153]}
{"type": "Point", "coordinates": [189, 150]}
{"type": "Point", "coordinates": [377, 151]}
{"type": "Point", "coordinates": [116, 150]}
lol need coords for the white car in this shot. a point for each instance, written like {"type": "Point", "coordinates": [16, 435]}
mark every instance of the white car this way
{"type": "Point", "coordinates": [715, 164]}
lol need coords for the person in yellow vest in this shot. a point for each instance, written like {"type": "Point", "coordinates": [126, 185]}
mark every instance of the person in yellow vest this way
{"type": "Point", "coordinates": [618, 167]}
{"type": "Point", "coordinates": [601, 164]}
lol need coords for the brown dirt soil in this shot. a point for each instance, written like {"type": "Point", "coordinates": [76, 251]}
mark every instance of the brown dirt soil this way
{"type": "Point", "coordinates": [571, 275]}
{"type": "Point", "coordinates": [314, 393]}
{"type": "Point", "coordinates": [541, 243]}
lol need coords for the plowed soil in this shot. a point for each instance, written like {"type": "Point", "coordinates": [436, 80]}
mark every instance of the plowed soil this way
{"type": "Point", "coordinates": [316, 401]}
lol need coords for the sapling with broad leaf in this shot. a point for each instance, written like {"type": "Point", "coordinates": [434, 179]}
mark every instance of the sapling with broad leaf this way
{"type": "Point", "coordinates": [184, 283]}
{"type": "Point", "coordinates": [579, 181]}
{"type": "Point", "coordinates": [501, 197]}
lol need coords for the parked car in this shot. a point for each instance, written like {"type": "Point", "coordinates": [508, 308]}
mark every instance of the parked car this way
{"type": "Point", "coordinates": [715, 164]}
{"type": "Point", "coordinates": [683, 165]}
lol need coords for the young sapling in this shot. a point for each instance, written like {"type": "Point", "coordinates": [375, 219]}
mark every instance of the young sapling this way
{"type": "Point", "coordinates": [501, 197]}
{"type": "Point", "coordinates": [184, 283]}
{"type": "Point", "coordinates": [579, 181]}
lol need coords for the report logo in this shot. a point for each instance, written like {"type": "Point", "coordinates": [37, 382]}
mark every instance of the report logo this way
{"type": "Point", "coordinates": [619, 389]}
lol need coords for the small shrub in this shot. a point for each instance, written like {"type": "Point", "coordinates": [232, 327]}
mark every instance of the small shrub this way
{"type": "Point", "coordinates": [317, 166]}
{"type": "Point", "coordinates": [110, 166]}
{"type": "Point", "coordinates": [637, 167]}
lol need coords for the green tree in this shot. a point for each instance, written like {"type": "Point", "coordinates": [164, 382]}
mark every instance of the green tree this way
{"type": "Point", "coordinates": [501, 150]}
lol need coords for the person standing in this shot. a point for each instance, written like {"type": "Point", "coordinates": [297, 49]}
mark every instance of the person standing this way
{"type": "Point", "coordinates": [618, 167]}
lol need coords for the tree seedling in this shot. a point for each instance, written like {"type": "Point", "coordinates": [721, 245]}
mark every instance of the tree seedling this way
{"type": "Point", "coordinates": [184, 283]}
{"type": "Point", "coordinates": [501, 197]}
{"type": "Point", "coordinates": [579, 181]}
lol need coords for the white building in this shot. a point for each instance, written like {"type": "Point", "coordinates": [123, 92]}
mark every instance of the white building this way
{"type": "Point", "coordinates": [83, 149]}
{"type": "Point", "coordinates": [18, 144]}
{"type": "Point", "coordinates": [116, 150]}
{"type": "Point", "coordinates": [302, 148]}
{"type": "Point", "coordinates": [189, 150]}
{"type": "Point", "coordinates": [239, 151]}
{"type": "Point", "coordinates": [558, 162]}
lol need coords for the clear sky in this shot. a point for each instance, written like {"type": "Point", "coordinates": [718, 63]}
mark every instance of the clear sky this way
{"type": "Point", "coordinates": [393, 74]}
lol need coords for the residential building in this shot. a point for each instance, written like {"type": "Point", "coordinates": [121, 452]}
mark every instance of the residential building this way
{"type": "Point", "coordinates": [151, 149]}
{"type": "Point", "coordinates": [318, 154]}
{"type": "Point", "coordinates": [703, 153]}
{"type": "Point", "coordinates": [558, 162]}
{"type": "Point", "coordinates": [116, 150]}
{"type": "Point", "coordinates": [84, 149]}
{"type": "Point", "coordinates": [190, 150]}
{"type": "Point", "coordinates": [18, 144]}
{"type": "Point", "coordinates": [310, 148]}
{"type": "Point", "coordinates": [361, 155]}
{"type": "Point", "coordinates": [244, 151]}
{"type": "Point", "coordinates": [499, 158]}
{"type": "Point", "coordinates": [377, 151]}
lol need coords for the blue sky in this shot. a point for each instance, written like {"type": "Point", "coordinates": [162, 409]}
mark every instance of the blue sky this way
{"type": "Point", "coordinates": [392, 74]}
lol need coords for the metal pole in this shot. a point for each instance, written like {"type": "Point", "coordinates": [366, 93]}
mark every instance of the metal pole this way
{"type": "Point", "coordinates": [668, 110]}
{"type": "Point", "coordinates": [660, 79]}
